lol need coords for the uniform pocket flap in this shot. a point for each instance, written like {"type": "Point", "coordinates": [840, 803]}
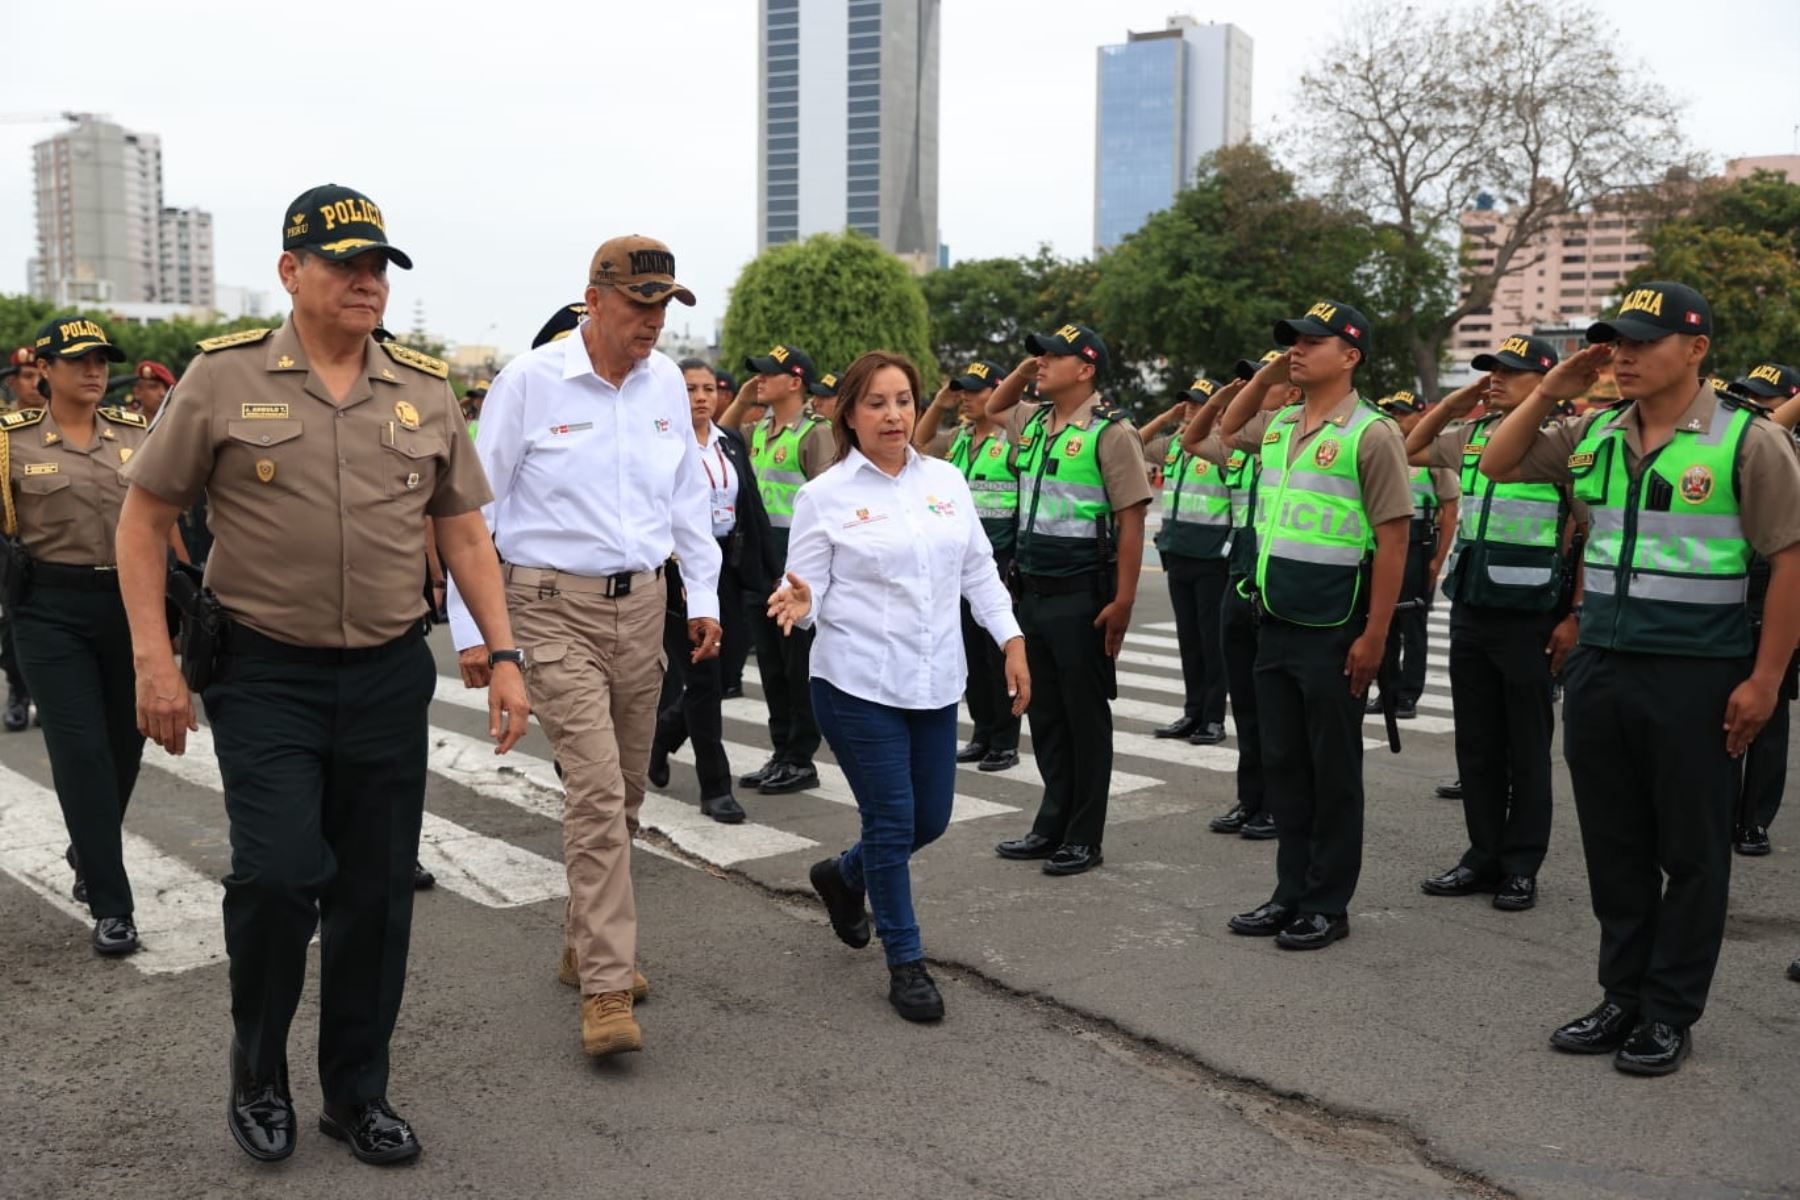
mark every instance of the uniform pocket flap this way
{"type": "Point", "coordinates": [43, 485]}
{"type": "Point", "coordinates": [415, 446]}
{"type": "Point", "coordinates": [263, 433]}
{"type": "Point", "coordinates": [549, 652]}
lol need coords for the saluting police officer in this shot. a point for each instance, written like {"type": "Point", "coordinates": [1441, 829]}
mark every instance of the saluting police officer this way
{"type": "Point", "coordinates": [1333, 506]}
{"type": "Point", "coordinates": [980, 449]}
{"type": "Point", "coordinates": [60, 467]}
{"type": "Point", "coordinates": [1082, 499]}
{"type": "Point", "coordinates": [1510, 628]}
{"type": "Point", "coordinates": [322, 452]}
{"type": "Point", "coordinates": [1668, 685]}
{"type": "Point", "coordinates": [823, 396]}
{"type": "Point", "coordinates": [1435, 495]}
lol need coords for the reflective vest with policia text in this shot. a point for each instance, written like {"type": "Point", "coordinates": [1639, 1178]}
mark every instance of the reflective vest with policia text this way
{"type": "Point", "coordinates": [1312, 533]}
{"type": "Point", "coordinates": [993, 483]}
{"type": "Point", "coordinates": [1667, 563]}
{"type": "Point", "coordinates": [778, 473]}
{"type": "Point", "coordinates": [1197, 507]}
{"type": "Point", "coordinates": [1241, 474]}
{"type": "Point", "coordinates": [1065, 516]}
{"type": "Point", "coordinates": [1509, 539]}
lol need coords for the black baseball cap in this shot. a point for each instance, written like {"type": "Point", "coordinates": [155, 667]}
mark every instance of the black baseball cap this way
{"type": "Point", "coordinates": [1521, 352]}
{"type": "Point", "coordinates": [75, 336]}
{"type": "Point", "coordinates": [561, 324]}
{"type": "Point", "coordinates": [1246, 369]}
{"type": "Point", "coordinates": [782, 360]}
{"type": "Point", "coordinates": [1655, 311]}
{"type": "Point", "coordinates": [478, 388]}
{"type": "Point", "coordinates": [827, 385]}
{"type": "Point", "coordinates": [1769, 381]}
{"type": "Point", "coordinates": [978, 376]}
{"type": "Point", "coordinates": [338, 223]}
{"type": "Point", "coordinates": [1201, 389]}
{"type": "Point", "coordinates": [1327, 318]}
{"type": "Point", "coordinates": [726, 381]}
{"type": "Point", "coordinates": [1072, 341]}
{"type": "Point", "coordinates": [1400, 404]}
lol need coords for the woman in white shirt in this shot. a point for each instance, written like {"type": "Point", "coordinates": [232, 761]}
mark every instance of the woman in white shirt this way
{"type": "Point", "coordinates": [884, 546]}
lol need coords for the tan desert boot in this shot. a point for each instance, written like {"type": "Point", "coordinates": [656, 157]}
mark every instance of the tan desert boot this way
{"type": "Point", "coordinates": [565, 971]}
{"type": "Point", "coordinates": [607, 1026]}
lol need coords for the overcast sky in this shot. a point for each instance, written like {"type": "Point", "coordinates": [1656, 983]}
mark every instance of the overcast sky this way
{"type": "Point", "coordinates": [505, 142]}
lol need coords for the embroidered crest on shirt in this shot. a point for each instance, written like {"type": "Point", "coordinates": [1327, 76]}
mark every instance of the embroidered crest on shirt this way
{"type": "Point", "coordinates": [941, 508]}
{"type": "Point", "coordinates": [662, 425]}
{"type": "Point", "coordinates": [865, 517]}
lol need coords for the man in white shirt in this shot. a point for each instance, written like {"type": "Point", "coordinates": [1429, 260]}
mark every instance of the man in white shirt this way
{"type": "Point", "coordinates": [597, 479]}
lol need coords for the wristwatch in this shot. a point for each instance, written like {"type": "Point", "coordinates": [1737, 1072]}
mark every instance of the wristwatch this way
{"type": "Point", "coordinates": [515, 657]}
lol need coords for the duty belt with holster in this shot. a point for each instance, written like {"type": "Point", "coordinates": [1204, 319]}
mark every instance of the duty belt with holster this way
{"type": "Point", "coordinates": [198, 620]}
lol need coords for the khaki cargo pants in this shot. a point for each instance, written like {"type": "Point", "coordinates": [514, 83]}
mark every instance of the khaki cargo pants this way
{"type": "Point", "coordinates": [593, 670]}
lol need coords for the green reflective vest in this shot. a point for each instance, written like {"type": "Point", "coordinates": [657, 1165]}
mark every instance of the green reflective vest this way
{"type": "Point", "coordinates": [1242, 473]}
{"type": "Point", "coordinates": [1509, 538]}
{"type": "Point", "coordinates": [1312, 532]}
{"type": "Point", "coordinates": [1065, 517]}
{"type": "Point", "coordinates": [1197, 507]}
{"type": "Point", "coordinates": [1667, 563]}
{"type": "Point", "coordinates": [778, 474]}
{"type": "Point", "coordinates": [992, 481]}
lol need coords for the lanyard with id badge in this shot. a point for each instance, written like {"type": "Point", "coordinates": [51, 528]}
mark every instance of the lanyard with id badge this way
{"type": "Point", "coordinates": [724, 499]}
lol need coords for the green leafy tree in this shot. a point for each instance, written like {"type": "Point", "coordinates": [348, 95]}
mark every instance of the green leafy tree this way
{"type": "Point", "coordinates": [835, 296]}
{"type": "Point", "coordinates": [170, 342]}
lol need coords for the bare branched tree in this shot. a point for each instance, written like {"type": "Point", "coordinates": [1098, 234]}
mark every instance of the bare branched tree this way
{"type": "Point", "coordinates": [1412, 114]}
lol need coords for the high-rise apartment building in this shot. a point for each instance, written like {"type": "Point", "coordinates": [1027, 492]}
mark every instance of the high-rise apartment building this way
{"type": "Point", "coordinates": [847, 105]}
{"type": "Point", "coordinates": [1166, 99]}
{"type": "Point", "coordinates": [185, 258]}
{"type": "Point", "coordinates": [99, 214]}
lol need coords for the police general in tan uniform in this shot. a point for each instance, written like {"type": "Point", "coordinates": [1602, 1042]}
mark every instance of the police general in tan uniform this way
{"type": "Point", "coordinates": [321, 452]}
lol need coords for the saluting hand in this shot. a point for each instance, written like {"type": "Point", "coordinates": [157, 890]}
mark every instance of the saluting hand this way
{"type": "Point", "coordinates": [705, 635]}
{"type": "Point", "coordinates": [1751, 704]}
{"type": "Point", "coordinates": [1463, 400]}
{"type": "Point", "coordinates": [787, 605]}
{"type": "Point", "coordinates": [1018, 676]}
{"type": "Point", "coordinates": [508, 708]}
{"type": "Point", "coordinates": [1275, 371]}
{"type": "Point", "coordinates": [165, 710]}
{"type": "Point", "coordinates": [1575, 374]}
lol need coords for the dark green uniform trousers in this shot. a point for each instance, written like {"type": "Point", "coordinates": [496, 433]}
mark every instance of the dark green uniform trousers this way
{"type": "Point", "coordinates": [1072, 684]}
{"type": "Point", "coordinates": [1312, 755]}
{"type": "Point", "coordinates": [9, 659]}
{"type": "Point", "coordinates": [324, 771]}
{"type": "Point", "coordinates": [75, 651]}
{"type": "Point", "coordinates": [1237, 624]}
{"type": "Point", "coordinates": [1654, 789]}
{"type": "Point", "coordinates": [990, 708]}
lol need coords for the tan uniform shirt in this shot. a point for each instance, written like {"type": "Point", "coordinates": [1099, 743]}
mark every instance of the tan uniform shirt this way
{"type": "Point", "coordinates": [317, 509]}
{"type": "Point", "coordinates": [818, 448]}
{"type": "Point", "coordinates": [67, 499]}
{"type": "Point", "coordinates": [1380, 457]}
{"type": "Point", "coordinates": [1768, 476]}
{"type": "Point", "coordinates": [1121, 452]}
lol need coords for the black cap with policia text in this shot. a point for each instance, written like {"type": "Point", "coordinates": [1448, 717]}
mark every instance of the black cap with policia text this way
{"type": "Point", "coordinates": [978, 376]}
{"type": "Point", "coordinates": [73, 337]}
{"type": "Point", "coordinates": [782, 360]}
{"type": "Point", "coordinates": [1071, 341]}
{"type": "Point", "coordinates": [1655, 311]}
{"type": "Point", "coordinates": [1199, 391]}
{"type": "Point", "coordinates": [827, 385]}
{"type": "Point", "coordinates": [1400, 404]}
{"type": "Point", "coordinates": [1327, 318]}
{"type": "Point", "coordinates": [338, 223]}
{"type": "Point", "coordinates": [1519, 353]}
{"type": "Point", "coordinates": [1769, 381]}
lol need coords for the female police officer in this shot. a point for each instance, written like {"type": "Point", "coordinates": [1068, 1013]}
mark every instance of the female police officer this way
{"type": "Point", "coordinates": [62, 498]}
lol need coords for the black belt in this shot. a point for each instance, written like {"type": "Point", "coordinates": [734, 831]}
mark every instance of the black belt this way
{"type": "Point", "coordinates": [241, 639]}
{"type": "Point", "coordinates": [1059, 585]}
{"type": "Point", "coordinates": [75, 579]}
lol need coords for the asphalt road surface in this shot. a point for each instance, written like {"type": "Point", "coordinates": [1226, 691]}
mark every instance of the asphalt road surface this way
{"type": "Point", "coordinates": [1106, 1036]}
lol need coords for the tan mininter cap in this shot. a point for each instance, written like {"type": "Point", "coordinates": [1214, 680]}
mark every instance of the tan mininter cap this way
{"type": "Point", "coordinates": [643, 268]}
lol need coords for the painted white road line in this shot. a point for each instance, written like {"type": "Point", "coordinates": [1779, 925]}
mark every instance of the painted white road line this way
{"type": "Point", "coordinates": [177, 907]}
{"type": "Point", "coordinates": [1172, 662]}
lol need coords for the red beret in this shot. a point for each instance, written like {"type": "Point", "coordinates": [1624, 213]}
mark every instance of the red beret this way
{"type": "Point", "coordinates": [155, 370]}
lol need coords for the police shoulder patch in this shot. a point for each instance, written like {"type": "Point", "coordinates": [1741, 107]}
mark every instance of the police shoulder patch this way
{"type": "Point", "coordinates": [418, 360]}
{"type": "Point", "coordinates": [22, 418]}
{"type": "Point", "coordinates": [225, 341]}
{"type": "Point", "coordinates": [119, 416]}
{"type": "Point", "coordinates": [1584, 459]}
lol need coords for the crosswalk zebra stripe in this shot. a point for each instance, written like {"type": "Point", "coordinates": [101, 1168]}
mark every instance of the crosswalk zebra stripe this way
{"type": "Point", "coordinates": [1150, 641]}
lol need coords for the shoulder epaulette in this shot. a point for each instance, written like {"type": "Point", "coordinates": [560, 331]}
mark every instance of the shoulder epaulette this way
{"type": "Point", "coordinates": [119, 416]}
{"type": "Point", "coordinates": [1109, 412]}
{"type": "Point", "coordinates": [418, 360]}
{"type": "Point", "coordinates": [225, 341]}
{"type": "Point", "coordinates": [22, 418]}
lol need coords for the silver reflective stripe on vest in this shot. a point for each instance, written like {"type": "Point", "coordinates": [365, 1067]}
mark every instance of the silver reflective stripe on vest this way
{"type": "Point", "coordinates": [1312, 552]}
{"type": "Point", "coordinates": [1679, 589]}
{"type": "Point", "coordinates": [1325, 485]}
{"type": "Point", "coordinates": [1064, 496]}
{"type": "Point", "coordinates": [1199, 516]}
{"type": "Point", "coordinates": [993, 485]}
{"type": "Point", "coordinates": [1516, 522]}
{"type": "Point", "coordinates": [1519, 576]}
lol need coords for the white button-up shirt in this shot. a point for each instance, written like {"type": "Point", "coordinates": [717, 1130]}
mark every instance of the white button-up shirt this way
{"type": "Point", "coordinates": [888, 558]}
{"type": "Point", "coordinates": [592, 479]}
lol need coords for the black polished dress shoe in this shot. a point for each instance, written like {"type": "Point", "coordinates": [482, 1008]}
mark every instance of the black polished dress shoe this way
{"type": "Point", "coordinates": [913, 993]}
{"type": "Point", "coordinates": [1032, 845]}
{"type": "Point", "coordinates": [790, 779]}
{"type": "Point", "coordinates": [973, 752]}
{"type": "Point", "coordinates": [1457, 881]}
{"type": "Point", "coordinates": [658, 771]}
{"type": "Point", "coordinates": [1372, 704]}
{"type": "Point", "coordinates": [1517, 893]}
{"type": "Point", "coordinates": [755, 778]}
{"type": "Point", "coordinates": [79, 889]}
{"type": "Point", "coordinates": [423, 880]}
{"type": "Point", "coordinates": [18, 712]}
{"type": "Point", "coordinates": [843, 904]}
{"type": "Point", "coordinates": [1265, 920]}
{"type": "Point", "coordinates": [1406, 710]}
{"type": "Point", "coordinates": [1260, 827]}
{"type": "Point", "coordinates": [998, 760]}
{"type": "Point", "coordinates": [723, 809]}
{"type": "Point", "coordinates": [1794, 970]}
{"type": "Point", "coordinates": [259, 1112]}
{"type": "Point", "coordinates": [731, 691]}
{"type": "Point", "coordinates": [375, 1132]}
{"type": "Point", "coordinates": [1313, 931]}
{"type": "Point", "coordinates": [1181, 728]}
{"type": "Point", "coordinates": [1655, 1048]}
{"type": "Point", "coordinates": [1449, 791]}
{"type": "Point", "coordinates": [1073, 859]}
{"type": "Point", "coordinates": [115, 935]}
{"type": "Point", "coordinates": [1752, 842]}
{"type": "Point", "coordinates": [1599, 1032]}
{"type": "Point", "coordinates": [1231, 822]}
{"type": "Point", "coordinates": [1209, 734]}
